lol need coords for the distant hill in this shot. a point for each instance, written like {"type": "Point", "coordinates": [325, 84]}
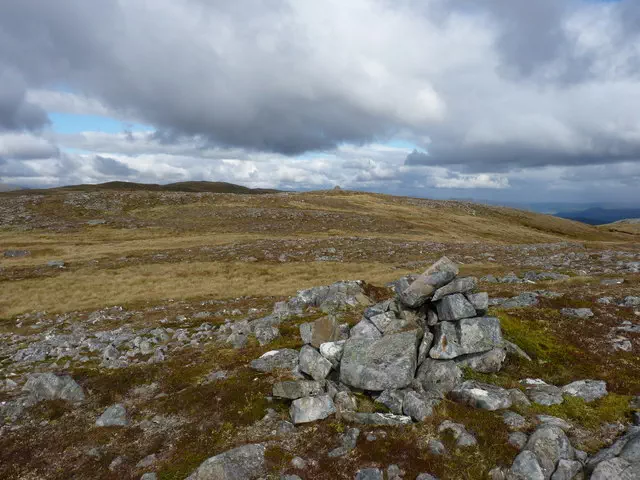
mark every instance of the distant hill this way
{"type": "Point", "coordinates": [193, 187]}
{"type": "Point", "coordinates": [600, 216]}
{"type": "Point", "coordinates": [5, 187]}
{"type": "Point", "coordinates": [628, 225]}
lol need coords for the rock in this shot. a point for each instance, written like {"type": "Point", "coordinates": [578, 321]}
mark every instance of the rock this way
{"type": "Point", "coordinates": [392, 399]}
{"type": "Point", "coordinates": [394, 472]}
{"type": "Point", "coordinates": [432, 317]}
{"type": "Point", "coordinates": [114, 416]}
{"type": "Point", "coordinates": [348, 442]}
{"type": "Point", "coordinates": [489, 279]}
{"type": "Point", "coordinates": [510, 277]}
{"type": "Point", "coordinates": [324, 330]}
{"type": "Point", "coordinates": [631, 450]}
{"type": "Point", "coordinates": [149, 476]}
{"type": "Point", "coordinates": [332, 351]}
{"type": "Point", "coordinates": [16, 253]}
{"type": "Point", "coordinates": [306, 333]}
{"type": "Point", "coordinates": [612, 281]}
{"type": "Point", "coordinates": [117, 463]}
{"type": "Point", "coordinates": [297, 389]}
{"type": "Point", "coordinates": [480, 301]}
{"type": "Point", "coordinates": [55, 263]}
{"type": "Point", "coordinates": [365, 329]}
{"type": "Point", "coordinates": [567, 470]}
{"type": "Point", "coordinates": [486, 362]}
{"type": "Point", "coordinates": [147, 461]}
{"type": "Point", "coordinates": [266, 333]}
{"type": "Point", "coordinates": [425, 346]}
{"type": "Point", "coordinates": [550, 445]}
{"type": "Point", "coordinates": [389, 362]}
{"type": "Point", "coordinates": [110, 353]}
{"type": "Point", "coordinates": [537, 277]}
{"type": "Point", "coordinates": [313, 364]}
{"type": "Point", "coordinates": [299, 463]}
{"type": "Point", "coordinates": [440, 376]}
{"type": "Point", "coordinates": [518, 398]}
{"type": "Point", "coordinates": [555, 421]}
{"type": "Point", "coordinates": [376, 418]}
{"type": "Point", "coordinates": [423, 288]}
{"type": "Point", "coordinates": [514, 420]}
{"type": "Point", "coordinates": [630, 302]}
{"type": "Point", "coordinates": [616, 469]}
{"type": "Point", "coordinates": [515, 350]}
{"type": "Point", "coordinates": [460, 434]}
{"type": "Point", "coordinates": [526, 299]}
{"type": "Point", "coordinates": [246, 462]}
{"type": "Point", "coordinates": [285, 428]}
{"type": "Point", "coordinates": [416, 407]}
{"type": "Point", "coordinates": [454, 307]}
{"type": "Point", "coordinates": [401, 284]}
{"type": "Point", "coordinates": [285, 359]}
{"type": "Point", "coordinates": [443, 265]}
{"type": "Point", "coordinates": [482, 395]}
{"type": "Point", "coordinates": [518, 440]}
{"type": "Point", "coordinates": [345, 402]}
{"type": "Point", "coordinates": [526, 467]}
{"type": "Point", "coordinates": [436, 447]}
{"type": "Point", "coordinates": [369, 474]}
{"type": "Point", "coordinates": [48, 386]}
{"type": "Point", "coordinates": [542, 393]}
{"type": "Point", "coordinates": [459, 285]}
{"type": "Point", "coordinates": [310, 409]}
{"type": "Point", "coordinates": [577, 312]}
{"type": "Point", "coordinates": [426, 476]}
{"type": "Point", "coordinates": [469, 335]}
{"type": "Point", "coordinates": [383, 321]}
{"type": "Point", "coordinates": [588, 390]}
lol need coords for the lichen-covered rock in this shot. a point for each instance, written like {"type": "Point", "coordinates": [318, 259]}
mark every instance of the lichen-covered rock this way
{"type": "Point", "coordinates": [588, 390]}
{"type": "Point", "coordinates": [297, 389]}
{"type": "Point", "coordinates": [526, 467]}
{"type": "Point", "coordinates": [325, 329]}
{"type": "Point", "coordinates": [310, 409]}
{"type": "Point", "coordinates": [313, 364]}
{"type": "Point", "coordinates": [469, 335]}
{"type": "Point", "coordinates": [538, 391]}
{"type": "Point", "coordinates": [482, 395]}
{"type": "Point", "coordinates": [423, 288]}
{"type": "Point", "coordinates": [460, 434]}
{"type": "Point", "coordinates": [48, 386]}
{"type": "Point", "coordinates": [480, 301]}
{"type": "Point", "coordinates": [285, 359]}
{"type": "Point", "coordinates": [114, 416]}
{"type": "Point", "coordinates": [440, 376]}
{"type": "Point", "coordinates": [332, 351]}
{"type": "Point", "coordinates": [376, 418]}
{"type": "Point", "coordinates": [550, 445]}
{"type": "Point", "coordinates": [454, 307]}
{"type": "Point", "coordinates": [365, 329]}
{"type": "Point", "coordinates": [485, 362]}
{"type": "Point", "coordinates": [417, 407]}
{"type": "Point", "coordinates": [389, 362]}
{"type": "Point", "coordinates": [393, 400]}
{"type": "Point", "coordinates": [425, 346]}
{"type": "Point", "coordinates": [246, 462]}
{"type": "Point", "coordinates": [459, 285]}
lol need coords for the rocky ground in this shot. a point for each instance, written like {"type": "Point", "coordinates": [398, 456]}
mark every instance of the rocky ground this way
{"type": "Point", "coordinates": [509, 360]}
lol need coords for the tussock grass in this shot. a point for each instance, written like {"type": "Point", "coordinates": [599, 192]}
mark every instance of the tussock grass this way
{"type": "Point", "coordinates": [91, 288]}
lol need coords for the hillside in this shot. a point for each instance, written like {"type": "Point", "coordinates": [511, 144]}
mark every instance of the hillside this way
{"type": "Point", "coordinates": [600, 216]}
{"type": "Point", "coordinates": [629, 225]}
{"type": "Point", "coordinates": [144, 331]}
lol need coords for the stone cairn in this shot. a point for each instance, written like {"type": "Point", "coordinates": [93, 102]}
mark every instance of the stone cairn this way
{"type": "Point", "coordinates": [406, 354]}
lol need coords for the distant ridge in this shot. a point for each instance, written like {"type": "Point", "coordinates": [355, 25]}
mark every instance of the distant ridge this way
{"type": "Point", "coordinates": [5, 187]}
{"type": "Point", "coordinates": [193, 187]}
{"type": "Point", "coordinates": [600, 216]}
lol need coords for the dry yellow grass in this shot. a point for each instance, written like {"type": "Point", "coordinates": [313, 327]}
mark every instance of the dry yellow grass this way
{"type": "Point", "coordinates": [91, 288]}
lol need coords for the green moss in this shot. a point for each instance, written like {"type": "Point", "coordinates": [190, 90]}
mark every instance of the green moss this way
{"type": "Point", "coordinates": [611, 408]}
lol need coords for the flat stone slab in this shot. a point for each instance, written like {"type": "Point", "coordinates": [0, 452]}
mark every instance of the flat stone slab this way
{"type": "Point", "coordinates": [588, 390]}
{"type": "Point", "coordinates": [386, 363]}
{"type": "Point", "coordinates": [459, 285]}
{"type": "Point", "coordinates": [285, 359]}
{"type": "Point", "coordinates": [454, 307]}
{"type": "Point", "coordinates": [297, 389]}
{"type": "Point", "coordinates": [538, 391]}
{"type": "Point", "coordinates": [376, 418]}
{"type": "Point", "coordinates": [310, 409]}
{"type": "Point", "coordinates": [246, 462]}
{"type": "Point", "coordinates": [469, 335]}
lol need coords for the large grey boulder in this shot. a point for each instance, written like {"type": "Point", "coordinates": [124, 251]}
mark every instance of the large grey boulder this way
{"type": "Point", "coordinates": [297, 389]}
{"type": "Point", "coordinates": [459, 285]}
{"type": "Point", "coordinates": [482, 395]}
{"type": "Point", "coordinates": [424, 287]}
{"type": "Point", "coordinates": [393, 400]}
{"type": "Point", "coordinates": [325, 329]}
{"type": "Point", "coordinates": [285, 359]}
{"type": "Point", "coordinates": [526, 467]}
{"type": "Point", "coordinates": [439, 376]}
{"type": "Point", "coordinates": [485, 362]}
{"type": "Point", "coordinates": [616, 469]}
{"type": "Point", "coordinates": [246, 462]}
{"type": "Point", "coordinates": [369, 474]}
{"type": "Point", "coordinates": [454, 307]}
{"type": "Point", "coordinates": [577, 312]}
{"type": "Point", "coordinates": [567, 470]}
{"type": "Point", "coordinates": [310, 409]}
{"type": "Point", "coordinates": [114, 416]}
{"type": "Point", "coordinates": [383, 321]}
{"type": "Point", "coordinates": [469, 335]}
{"type": "Point", "coordinates": [313, 363]}
{"type": "Point", "coordinates": [588, 390]}
{"type": "Point", "coordinates": [417, 407]}
{"type": "Point", "coordinates": [389, 362]}
{"type": "Point", "coordinates": [48, 386]}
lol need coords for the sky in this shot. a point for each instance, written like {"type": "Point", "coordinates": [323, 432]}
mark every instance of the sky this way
{"type": "Point", "coordinates": [504, 100]}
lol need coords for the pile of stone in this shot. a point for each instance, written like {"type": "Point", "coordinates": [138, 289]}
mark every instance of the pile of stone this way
{"type": "Point", "coordinates": [406, 354]}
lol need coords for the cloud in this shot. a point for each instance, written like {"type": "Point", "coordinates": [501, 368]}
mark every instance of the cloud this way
{"type": "Point", "coordinates": [16, 113]}
{"type": "Point", "coordinates": [111, 167]}
{"type": "Point", "coordinates": [26, 146]}
{"type": "Point", "coordinates": [306, 93]}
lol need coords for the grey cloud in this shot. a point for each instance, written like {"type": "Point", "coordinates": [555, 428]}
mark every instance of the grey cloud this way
{"type": "Point", "coordinates": [111, 167]}
{"type": "Point", "coordinates": [16, 113]}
